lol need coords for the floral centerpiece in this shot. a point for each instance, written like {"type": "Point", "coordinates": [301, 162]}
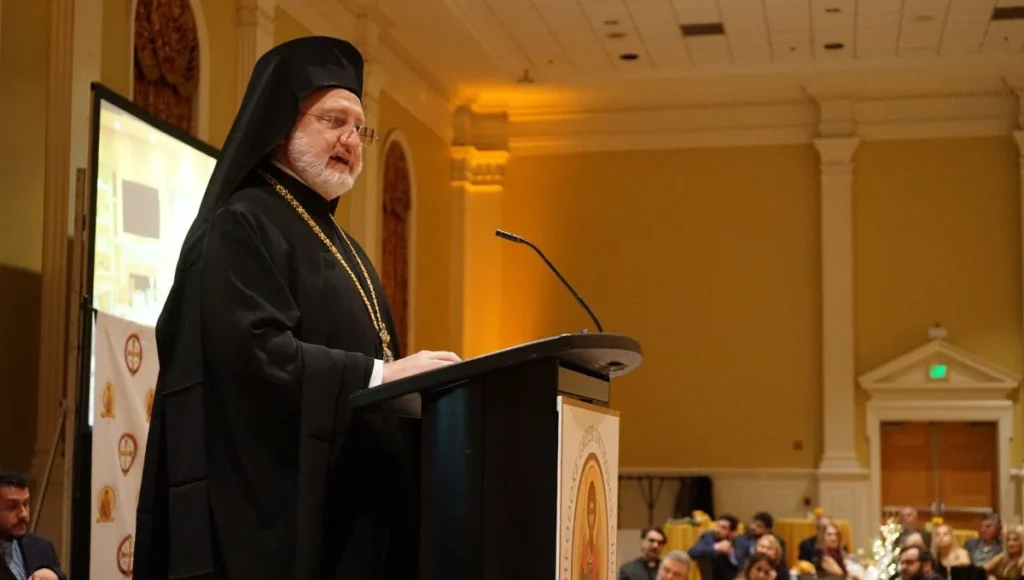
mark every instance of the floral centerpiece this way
{"type": "Point", "coordinates": [887, 551]}
{"type": "Point", "coordinates": [697, 519]}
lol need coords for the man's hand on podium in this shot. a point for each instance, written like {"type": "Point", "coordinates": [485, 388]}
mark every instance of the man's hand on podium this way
{"type": "Point", "coordinates": [421, 362]}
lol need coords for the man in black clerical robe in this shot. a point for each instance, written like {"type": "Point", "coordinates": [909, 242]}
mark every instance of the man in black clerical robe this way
{"type": "Point", "coordinates": [256, 467]}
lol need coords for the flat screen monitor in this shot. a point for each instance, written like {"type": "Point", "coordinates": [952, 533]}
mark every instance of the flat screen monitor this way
{"type": "Point", "coordinates": [149, 182]}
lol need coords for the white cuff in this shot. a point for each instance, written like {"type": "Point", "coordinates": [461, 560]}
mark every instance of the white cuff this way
{"type": "Point", "coordinates": [377, 376]}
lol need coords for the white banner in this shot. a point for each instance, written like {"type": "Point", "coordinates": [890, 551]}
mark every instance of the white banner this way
{"type": "Point", "coordinates": [126, 373]}
{"type": "Point", "coordinates": [588, 491]}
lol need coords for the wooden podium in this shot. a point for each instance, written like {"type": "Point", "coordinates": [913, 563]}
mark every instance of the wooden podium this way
{"type": "Point", "coordinates": [519, 459]}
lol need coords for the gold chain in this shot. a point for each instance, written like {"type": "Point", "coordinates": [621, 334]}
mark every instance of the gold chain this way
{"type": "Point", "coordinates": [374, 311]}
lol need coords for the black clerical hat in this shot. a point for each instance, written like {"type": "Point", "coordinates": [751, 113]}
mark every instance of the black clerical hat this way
{"type": "Point", "coordinates": [282, 77]}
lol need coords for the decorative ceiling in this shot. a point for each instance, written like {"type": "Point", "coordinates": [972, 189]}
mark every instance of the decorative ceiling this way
{"type": "Point", "coordinates": [772, 47]}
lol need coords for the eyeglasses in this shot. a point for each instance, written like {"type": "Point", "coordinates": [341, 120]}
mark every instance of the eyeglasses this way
{"type": "Point", "coordinates": [338, 124]}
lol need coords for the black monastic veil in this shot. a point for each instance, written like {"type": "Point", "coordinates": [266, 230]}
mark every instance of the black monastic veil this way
{"type": "Point", "coordinates": [255, 466]}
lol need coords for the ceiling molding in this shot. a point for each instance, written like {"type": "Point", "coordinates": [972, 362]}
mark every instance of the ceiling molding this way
{"type": "Point", "coordinates": [535, 131]}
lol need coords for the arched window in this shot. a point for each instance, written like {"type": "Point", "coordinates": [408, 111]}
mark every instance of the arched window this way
{"type": "Point", "coordinates": [166, 61]}
{"type": "Point", "coordinates": [397, 200]}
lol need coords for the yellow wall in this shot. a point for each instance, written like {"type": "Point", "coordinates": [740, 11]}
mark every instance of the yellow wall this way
{"type": "Point", "coordinates": [431, 287]}
{"type": "Point", "coordinates": [711, 259]}
{"type": "Point", "coordinates": [937, 239]}
{"type": "Point", "coordinates": [24, 76]}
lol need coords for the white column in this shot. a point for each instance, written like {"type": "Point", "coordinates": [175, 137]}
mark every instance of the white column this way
{"type": "Point", "coordinates": [53, 329]}
{"type": "Point", "coordinates": [1018, 136]}
{"type": "Point", "coordinates": [255, 36]}
{"type": "Point", "coordinates": [843, 485]}
{"type": "Point", "coordinates": [367, 199]}
{"type": "Point", "coordinates": [838, 369]}
{"type": "Point", "coordinates": [479, 156]}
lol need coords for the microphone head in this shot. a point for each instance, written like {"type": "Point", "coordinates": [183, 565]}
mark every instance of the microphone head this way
{"type": "Point", "coordinates": [507, 236]}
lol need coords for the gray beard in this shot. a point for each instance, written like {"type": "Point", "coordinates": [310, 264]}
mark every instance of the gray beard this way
{"type": "Point", "coordinates": [311, 167]}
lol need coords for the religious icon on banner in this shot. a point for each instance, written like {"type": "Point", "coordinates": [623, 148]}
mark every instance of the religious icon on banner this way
{"type": "Point", "coordinates": [127, 448]}
{"type": "Point", "coordinates": [133, 353]}
{"type": "Point", "coordinates": [105, 505]}
{"type": "Point", "coordinates": [107, 401]}
{"type": "Point", "coordinates": [125, 555]}
{"type": "Point", "coordinates": [590, 524]}
{"type": "Point", "coordinates": [149, 404]}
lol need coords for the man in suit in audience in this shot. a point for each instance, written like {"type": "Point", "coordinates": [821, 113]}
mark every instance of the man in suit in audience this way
{"type": "Point", "coordinates": [761, 524]}
{"type": "Point", "coordinates": [987, 544]}
{"type": "Point", "coordinates": [716, 546]}
{"type": "Point", "coordinates": [26, 556]}
{"type": "Point", "coordinates": [652, 540]}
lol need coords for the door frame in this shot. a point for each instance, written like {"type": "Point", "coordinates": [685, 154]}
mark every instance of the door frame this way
{"type": "Point", "coordinates": [999, 412]}
{"type": "Point", "coordinates": [974, 390]}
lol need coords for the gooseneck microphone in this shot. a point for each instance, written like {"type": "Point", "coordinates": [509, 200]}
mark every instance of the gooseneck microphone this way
{"type": "Point", "coordinates": [521, 240]}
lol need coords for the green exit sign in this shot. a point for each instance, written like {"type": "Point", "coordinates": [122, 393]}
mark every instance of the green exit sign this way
{"type": "Point", "coordinates": [938, 372]}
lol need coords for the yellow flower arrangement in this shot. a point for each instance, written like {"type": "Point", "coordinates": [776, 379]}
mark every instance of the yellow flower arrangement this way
{"type": "Point", "coordinates": [700, 518]}
{"type": "Point", "coordinates": [804, 567]}
{"type": "Point", "coordinates": [818, 512]}
{"type": "Point", "coordinates": [937, 521]}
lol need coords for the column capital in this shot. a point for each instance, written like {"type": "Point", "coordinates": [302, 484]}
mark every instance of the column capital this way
{"type": "Point", "coordinates": [1018, 136]}
{"type": "Point", "coordinates": [374, 78]}
{"type": "Point", "coordinates": [481, 130]}
{"type": "Point", "coordinates": [257, 13]}
{"type": "Point", "coordinates": [836, 150]}
{"type": "Point", "coordinates": [1016, 85]}
{"type": "Point", "coordinates": [477, 167]}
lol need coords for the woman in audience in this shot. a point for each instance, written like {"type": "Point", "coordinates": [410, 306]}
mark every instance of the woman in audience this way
{"type": "Point", "coordinates": [759, 567]}
{"type": "Point", "coordinates": [769, 545]}
{"type": "Point", "coordinates": [1008, 565]}
{"type": "Point", "coordinates": [947, 550]}
{"type": "Point", "coordinates": [829, 556]}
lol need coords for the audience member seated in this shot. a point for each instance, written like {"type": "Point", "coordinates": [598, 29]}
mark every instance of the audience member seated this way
{"type": "Point", "coordinates": [908, 521]}
{"type": "Point", "coordinates": [769, 545]}
{"type": "Point", "coordinates": [912, 540]}
{"type": "Point", "coordinates": [717, 546]}
{"type": "Point", "coordinates": [808, 545]}
{"type": "Point", "coordinates": [918, 564]}
{"type": "Point", "coordinates": [829, 557]}
{"type": "Point", "coordinates": [761, 524]}
{"type": "Point", "coordinates": [987, 544]}
{"type": "Point", "coordinates": [947, 551]}
{"type": "Point", "coordinates": [646, 566]}
{"type": "Point", "coordinates": [26, 556]}
{"type": "Point", "coordinates": [758, 567]}
{"type": "Point", "coordinates": [1008, 565]}
{"type": "Point", "coordinates": [674, 566]}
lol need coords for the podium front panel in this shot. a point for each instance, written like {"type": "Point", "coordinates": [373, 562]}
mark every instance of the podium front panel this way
{"type": "Point", "coordinates": [508, 462]}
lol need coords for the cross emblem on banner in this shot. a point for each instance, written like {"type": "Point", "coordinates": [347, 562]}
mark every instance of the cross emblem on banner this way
{"type": "Point", "coordinates": [133, 354]}
{"type": "Point", "coordinates": [127, 448]}
{"type": "Point", "coordinates": [125, 554]}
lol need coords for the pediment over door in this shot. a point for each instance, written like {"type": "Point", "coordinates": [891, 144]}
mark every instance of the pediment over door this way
{"type": "Point", "coordinates": [940, 370]}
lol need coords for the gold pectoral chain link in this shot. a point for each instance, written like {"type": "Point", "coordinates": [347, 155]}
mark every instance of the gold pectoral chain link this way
{"type": "Point", "coordinates": [374, 310]}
